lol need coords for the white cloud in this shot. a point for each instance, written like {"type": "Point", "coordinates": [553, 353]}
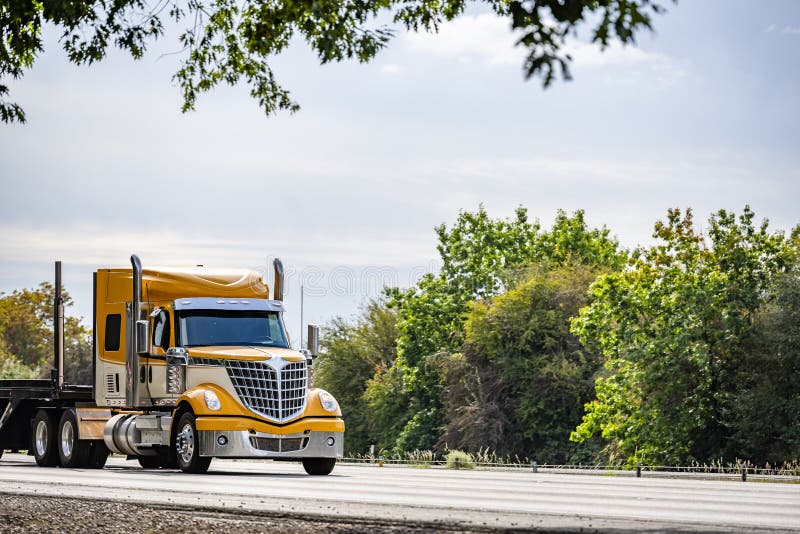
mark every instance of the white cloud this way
{"type": "Point", "coordinates": [391, 69]}
{"type": "Point", "coordinates": [488, 39]}
{"type": "Point", "coordinates": [93, 245]}
{"type": "Point", "coordinates": [786, 30]}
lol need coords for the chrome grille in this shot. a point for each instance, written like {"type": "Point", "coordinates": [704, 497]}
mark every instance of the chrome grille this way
{"type": "Point", "coordinates": [279, 444]}
{"type": "Point", "coordinates": [275, 389]}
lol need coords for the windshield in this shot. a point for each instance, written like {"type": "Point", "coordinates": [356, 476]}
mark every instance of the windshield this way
{"type": "Point", "coordinates": [225, 327]}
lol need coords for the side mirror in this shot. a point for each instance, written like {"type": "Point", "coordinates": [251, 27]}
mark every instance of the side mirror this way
{"type": "Point", "coordinates": [313, 340]}
{"type": "Point", "coordinates": [142, 337]}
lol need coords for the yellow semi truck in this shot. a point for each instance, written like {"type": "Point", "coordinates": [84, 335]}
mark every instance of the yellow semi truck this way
{"type": "Point", "coordinates": [189, 365]}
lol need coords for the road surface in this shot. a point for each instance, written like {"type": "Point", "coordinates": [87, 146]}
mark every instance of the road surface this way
{"type": "Point", "coordinates": [469, 499]}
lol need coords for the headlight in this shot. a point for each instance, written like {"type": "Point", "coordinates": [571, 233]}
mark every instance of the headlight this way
{"type": "Point", "coordinates": [327, 401]}
{"type": "Point", "coordinates": [212, 401]}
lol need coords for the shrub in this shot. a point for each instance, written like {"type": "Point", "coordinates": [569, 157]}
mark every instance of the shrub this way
{"type": "Point", "coordinates": [459, 460]}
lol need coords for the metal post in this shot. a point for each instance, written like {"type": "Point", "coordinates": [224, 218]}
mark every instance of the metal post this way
{"type": "Point", "coordinates": [301, 316]}
{"type": "Point", "coordinates": [534, 467]}
{"type": "Point", "coordinates": [58, 331]}
{"type": "Point", "coordinates": [638, 469]}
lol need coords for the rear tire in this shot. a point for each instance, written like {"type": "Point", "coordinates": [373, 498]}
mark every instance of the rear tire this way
{"type": "Point", "coordinates": [43, 440]}
{"type": "Point", "coordinates": [98, 454]}
{"type": "Point", "coordinates": [187, 446]}
{"type": "Point", "coordinates": [319, 466]}
{"type": "Point", "coordinates": [72, 452]}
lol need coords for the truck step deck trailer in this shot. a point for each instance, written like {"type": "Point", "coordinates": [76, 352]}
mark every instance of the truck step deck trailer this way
{"type": "Point", "coordinates": [189, 364]}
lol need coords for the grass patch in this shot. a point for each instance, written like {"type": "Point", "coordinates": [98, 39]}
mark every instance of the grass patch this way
{"type": "Point", "coordinates": [459, 460]}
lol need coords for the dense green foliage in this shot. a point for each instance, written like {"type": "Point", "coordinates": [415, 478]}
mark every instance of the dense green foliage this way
{"type": "Point", "coordinates": [678, 329]}
{"type": "Point", "coordinates": [26, 337]}
{"type": "Point", "coordinates": [351, 356]}
{"type": "Point", "coordinates": [232, 41]}
{"type": "Point", "coordinates": [687, 350]}
{"type": "Point", "coordinates": [480, 258]}
{"type": "Point", "coordinates": [520, 385]}
{"type": "Point", "coordinates": [765, 420]}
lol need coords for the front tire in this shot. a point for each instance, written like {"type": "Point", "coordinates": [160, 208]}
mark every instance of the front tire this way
{"type": "Point", "coordinates": [43, 440]}
{"type": "Point", "coordinates": [71, 451]}
{"type": "Point", "coordinates": [319, 466]}
{"type": "Point", "coordinates": [187, 446]}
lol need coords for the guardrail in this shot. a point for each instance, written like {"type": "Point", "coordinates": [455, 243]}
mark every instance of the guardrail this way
{"type": "Point", "coordinates": [738, 471]}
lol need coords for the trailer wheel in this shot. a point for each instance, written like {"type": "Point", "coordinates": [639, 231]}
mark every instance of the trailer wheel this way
{"type": "Point", "coordinates": [319, 466]}
{"type": "Point", "coordinates": [72, 452]}
{"type": "Point", "coordinates": [187, 446]}
{"type": "Point", "coordinates": [98, 454]}
{"type": "Point", "coordinates": [43, 440]}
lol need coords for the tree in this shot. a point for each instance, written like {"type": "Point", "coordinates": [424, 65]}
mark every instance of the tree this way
{"type": "Point", "coordinates": [765, 411]}
{"type": "Point", "coordinates": [480, 258]}
{"type": "Point", "coordinates": [234, 40]}
{"type": "Point", "coordinates": [431, 315]}
{"type": "Point", "coordinates": [352, 354]}
{"type": "Point", "coordinates": [520, 385]}
{"type": "Point", "coordinates": [26, 337]}
{"type": "Point", "coordinates": [674, 327]}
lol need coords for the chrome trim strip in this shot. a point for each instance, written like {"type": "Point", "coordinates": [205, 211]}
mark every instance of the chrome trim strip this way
{"type": "Point", "coordinates": [239, 445]}
{"type": "Point", "coordinates": [227, 303]}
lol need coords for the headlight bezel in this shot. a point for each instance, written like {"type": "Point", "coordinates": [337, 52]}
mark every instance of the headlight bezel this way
{"type": "Point", "coordinates": [328, 401]}
{"type": "Point", "coordinates": [212, 401]}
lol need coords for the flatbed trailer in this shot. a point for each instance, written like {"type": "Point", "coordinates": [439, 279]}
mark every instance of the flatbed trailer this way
{"type": "Point", "coordinates": [21, 399]}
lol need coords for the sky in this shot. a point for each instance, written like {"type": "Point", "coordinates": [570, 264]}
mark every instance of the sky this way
{"type": "Point", "coordinates": [703, 113]}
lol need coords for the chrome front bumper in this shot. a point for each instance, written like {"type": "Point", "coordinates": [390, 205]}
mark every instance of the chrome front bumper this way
{"type": "Point", "coordinates": [243, 444]}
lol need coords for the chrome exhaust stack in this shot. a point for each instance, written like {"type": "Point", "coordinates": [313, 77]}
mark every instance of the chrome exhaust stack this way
{"type": "Point", "coordinates": [313, 340]}
{"type": "Point", "coordinates": [277, 289]}
{"type": "Point", "coordinates": [138, 339]}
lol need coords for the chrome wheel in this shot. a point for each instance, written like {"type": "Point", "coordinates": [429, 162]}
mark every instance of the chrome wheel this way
{"type": "Point", "coordinates": [187, 447]}
{"type": "Point", "coordinates": [185, 443]}
{"type": "Point", "coordinates": [41, 438]}
{"type": "Point", "coordinates": [67, 439]}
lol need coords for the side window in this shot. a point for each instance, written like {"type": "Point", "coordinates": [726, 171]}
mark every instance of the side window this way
{"type": "Point", "coordinates": [113, 324]}
{"type": "Point", "coordinates": [161, 330]}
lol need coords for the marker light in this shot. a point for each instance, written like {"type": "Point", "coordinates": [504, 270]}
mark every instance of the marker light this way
{"type": "Point", "coordinates": [212, 401]}
{"type": "Point", "coordinates": [327, 401]}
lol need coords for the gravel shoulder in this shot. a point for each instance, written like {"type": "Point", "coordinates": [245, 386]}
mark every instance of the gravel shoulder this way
{"type": "Point", "coordinates": [25, 514]}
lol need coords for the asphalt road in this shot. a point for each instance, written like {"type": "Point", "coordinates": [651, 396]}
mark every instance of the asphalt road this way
{"type": "Point", "coordinates": [476, 499]}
